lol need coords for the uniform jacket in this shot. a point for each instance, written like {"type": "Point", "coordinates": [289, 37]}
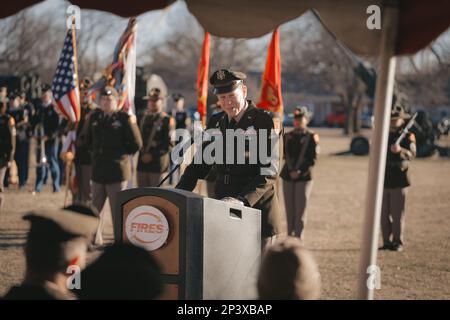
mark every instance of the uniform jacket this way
{"type": "Point", "coordinates": [157, 128]}
{"type": "Point", "coordinates": [396, 174]}
{"type": "Point", "coordinates": [7, 139]}
{"type": "Point", "coordinates": [295, 142]}
{"type": "Point", "coordinates": [49, 118]}
{"type": "Point", "coordinates": [243, 181]}
{"type": "Point", "coordinates": [83, 154]}
{"type": "Point", "coordinates": [113, 139]}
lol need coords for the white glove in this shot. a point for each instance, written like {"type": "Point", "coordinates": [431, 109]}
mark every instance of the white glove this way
{"type": "Point", "coordinates": [232, 200]}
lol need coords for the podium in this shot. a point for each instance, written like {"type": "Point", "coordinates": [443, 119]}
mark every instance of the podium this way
{"type": "Point", "coordinates": [208, 249]}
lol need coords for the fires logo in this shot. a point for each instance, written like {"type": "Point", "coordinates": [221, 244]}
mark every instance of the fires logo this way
{"type": "Point", "coordinates": [147, 227]}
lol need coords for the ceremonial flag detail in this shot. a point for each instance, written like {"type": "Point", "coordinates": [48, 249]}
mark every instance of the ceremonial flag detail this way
{"type": "Point", "coordinates": [121, 73]}
{"type": "Point", "coordinates": [65, 82]}
{"type": "Point", "coordinates": [271, 98]}
{"type": "Point", "coordinates": [202, 77]}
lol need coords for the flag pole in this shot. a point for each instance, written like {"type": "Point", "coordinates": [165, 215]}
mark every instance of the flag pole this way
{"type": "Point", "coordinates": [369, 273]}
{"type": "Point", "coordinates": [75, 58]}
{"type": "Point", "coordinates": [69, 163]}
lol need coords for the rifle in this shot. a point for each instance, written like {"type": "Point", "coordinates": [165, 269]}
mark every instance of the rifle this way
{"type": "Point", "coordinates": [406, 129]}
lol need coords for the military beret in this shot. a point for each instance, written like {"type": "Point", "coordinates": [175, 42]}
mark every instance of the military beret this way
{"type": "Point", "coordinates": [61, 225]}
{"type": "Point", "coordinates": [45, 87]}
{"type": "Point", "coordinates": [109, 91]}
{"type": "Point", "coordinates": [177, 96]}
{"type": "Point", "coordinates": [225, 81]}
{"type": "Point", "coordinates": [302, 111]}
{"type": "Point", "coordinates": [154, 94]}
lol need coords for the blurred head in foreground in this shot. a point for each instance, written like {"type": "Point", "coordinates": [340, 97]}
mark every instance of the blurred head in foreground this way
{"type": "Point", "coordinates": [288, 272]}
{"type": "Point", "coordinates": [123, 271]}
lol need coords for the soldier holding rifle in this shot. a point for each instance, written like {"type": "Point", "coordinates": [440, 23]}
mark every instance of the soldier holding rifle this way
{"type": "Point", "coordinates": [402, 149]}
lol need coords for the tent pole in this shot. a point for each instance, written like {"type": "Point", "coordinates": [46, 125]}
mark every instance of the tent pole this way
{"type": "Point", "coordinates": [368, 275]}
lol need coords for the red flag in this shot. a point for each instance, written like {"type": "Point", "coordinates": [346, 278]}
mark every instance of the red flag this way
{"type": "Point", "coordinates": [202, 77]}
{"type": "Point", "coordinates": [271, 98]}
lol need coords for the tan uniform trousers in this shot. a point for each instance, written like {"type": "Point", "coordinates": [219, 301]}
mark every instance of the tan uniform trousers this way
{"type": "Point", "coordinates": [83, 174]}
{"type": "Point", "coordinates": [393, 215]}
{"type": "Point", "coordinates": [296, 194]}
{"type": "Point", "coordinates": [99, 194]}
{"type": "Point", "coordinates": [149, 179]}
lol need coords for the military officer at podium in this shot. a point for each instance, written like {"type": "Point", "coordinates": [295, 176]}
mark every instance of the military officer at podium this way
{"type": "Point", "coordinates": [154, 156]}
{"type": "Point", "coordinates": [242, 183]}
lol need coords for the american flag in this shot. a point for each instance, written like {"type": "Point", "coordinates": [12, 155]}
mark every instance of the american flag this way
{"type": "Point", "coordinates": [65, 85]}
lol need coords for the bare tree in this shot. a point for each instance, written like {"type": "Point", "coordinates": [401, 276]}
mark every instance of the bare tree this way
{"type": "Point", "coordinates": [28, 45]}
{"type": "Point", "coordinates": [318, 62]}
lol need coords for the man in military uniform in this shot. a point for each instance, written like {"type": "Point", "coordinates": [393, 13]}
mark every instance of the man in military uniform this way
{"type": "Point", "coordinates": [182, 121]}
{"type": "Point", "coordinates": [7, 146]}
{"type": "Point", "coordinates": [3, 95]}
{"type": "Point", "coordinates": [28, 109]}
{"type": "Point", "coordinates": [113, 135]}
{"type": "Point", "coordinates": [21, 117]}
{"type": "Point", "coordinates": [57, 240]}
{"type": "Point", "coordinates": [300, 151]}
{"type": "Point", "coordinates": [396, 180]}
{"type": "Point", "coordinates": [245, 184]}
{"type": "Point", "coordinates": [155, 128]}
{"type": "Point", "coordinates": [179, 113]}
{"type": "Point", "coordinates": [83, 155]}
{"type": "Point", "coordinates": [46, 123]}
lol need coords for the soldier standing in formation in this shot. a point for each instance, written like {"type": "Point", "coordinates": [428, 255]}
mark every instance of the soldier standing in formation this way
{"type": "Point", "coordinates": [245, 184]}
{"type": "Point", "coordinates": [182, 121]}
{"type": "Point", "coordinates": [155, 128]}
{"type": "Point", "coordinates": [46, 125]}
{"type": "Point", "coordinates": [7, 146]}
{"type": "Point", "coordinates": [396, 180]}
{"type": "Point", "coordinates": [113, 136]}
{"type": "Point", "coordinates": [300, 151]}
{"type": "Point", "coordinates": [21, 117]}
{"type": "Point", "coordinates": [83, 155]}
